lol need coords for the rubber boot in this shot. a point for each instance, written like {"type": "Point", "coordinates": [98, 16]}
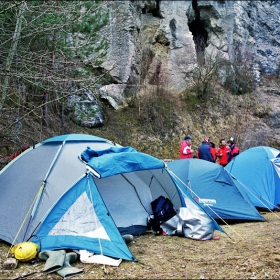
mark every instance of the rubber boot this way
{"type": "Point", "coordinates": [54, 260]}
{"type": "Point", "coordinates": [127, 238]}
{"type": "Point", "coordinates": [67, 270]}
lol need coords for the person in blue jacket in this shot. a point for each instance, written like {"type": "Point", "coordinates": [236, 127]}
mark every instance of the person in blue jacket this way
{"type": "Point", "coordinates": [204, 151]}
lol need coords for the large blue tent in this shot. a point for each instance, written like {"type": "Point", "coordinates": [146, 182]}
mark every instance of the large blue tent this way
{"type": "Point", "coordinates": [214, 189]}
{"type": "Point", "coordinates": [84, 192]}
{"type": "Point", "coordinates": [258, 171]}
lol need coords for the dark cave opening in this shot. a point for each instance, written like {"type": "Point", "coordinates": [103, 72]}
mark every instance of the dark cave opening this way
{"type": "Point", "coordinates": [200, 35]}
{"type": "Point", "coordinates": [155, 11]}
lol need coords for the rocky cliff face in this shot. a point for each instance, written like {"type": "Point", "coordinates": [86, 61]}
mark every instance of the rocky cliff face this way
{"type": "Point", "coordinates": [156, 42]}
{"type": "Point", "coordinates": [161, 41]}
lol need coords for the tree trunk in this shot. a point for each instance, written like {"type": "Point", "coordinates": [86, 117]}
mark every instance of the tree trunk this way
{"type": "Point", "coordinates": [12, 51]}
{"type": "Point", "coordinates": [47, 94]}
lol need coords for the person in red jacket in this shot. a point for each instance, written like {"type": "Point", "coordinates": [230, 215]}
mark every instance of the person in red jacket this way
{"type": "Point", "coordinates": [222, 153]}
{"type": "Point", "coordinates": [186, 149]}
{"type": "Point", "coordinates": [233, 150]}
{"type": "Point", "coordinates": [213, 151]}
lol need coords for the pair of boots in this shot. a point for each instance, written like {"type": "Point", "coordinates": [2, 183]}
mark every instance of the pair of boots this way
{"type": "Point", "coordinates": [59, 262]}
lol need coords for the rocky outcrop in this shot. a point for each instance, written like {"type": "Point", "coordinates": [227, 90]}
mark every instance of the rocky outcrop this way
{"type": "Point", "coordinates": [84, 109]}
{"type": "Point", "coordinates": [159, 41]}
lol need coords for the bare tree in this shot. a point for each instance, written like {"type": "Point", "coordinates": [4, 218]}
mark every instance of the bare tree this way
{"type": "Point", "coordinates": [206, 75]}
{"type": "Point", "coordinates": [239, 70]}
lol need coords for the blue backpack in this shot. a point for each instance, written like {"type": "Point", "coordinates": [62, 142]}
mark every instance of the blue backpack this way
{"type": "Point", "coordinates": [163, 210]}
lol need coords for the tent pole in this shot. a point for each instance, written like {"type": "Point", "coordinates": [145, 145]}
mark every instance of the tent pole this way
{"type": "Point", "coordinates": [136, 193]}
{"type": "Point", "coordinates": [45, 180]}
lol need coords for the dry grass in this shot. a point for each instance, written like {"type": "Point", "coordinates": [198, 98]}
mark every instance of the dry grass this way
{"type": "Point", "coordinates": [252, 252]}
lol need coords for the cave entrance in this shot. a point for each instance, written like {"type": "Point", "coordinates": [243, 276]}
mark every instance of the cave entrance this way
{"type": "Point", "coordinates": [200, 35]}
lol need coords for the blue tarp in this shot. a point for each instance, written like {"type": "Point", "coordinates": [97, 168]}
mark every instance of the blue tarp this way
{"type": "Point", "coordinates": [114, 163]}
{"type": "Point", "coordinates": [89, 153]}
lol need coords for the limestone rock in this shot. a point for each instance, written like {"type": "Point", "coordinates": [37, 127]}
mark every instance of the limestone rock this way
{"type": "Point", "coordinates": [157, 41]}
{"type": "Point", "coordinates": [114, 94]}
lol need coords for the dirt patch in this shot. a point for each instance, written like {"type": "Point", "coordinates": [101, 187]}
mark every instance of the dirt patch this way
{"type": "Point", "coordinates": [251, 252]}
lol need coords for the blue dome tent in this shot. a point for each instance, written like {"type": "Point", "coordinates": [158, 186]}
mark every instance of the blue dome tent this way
{"type": "Point", "coordinates": [83, 192]}
{"type": "Point", "coordinates": [214, 189]}
{"type": "Point", "coordinates": [258, 170]}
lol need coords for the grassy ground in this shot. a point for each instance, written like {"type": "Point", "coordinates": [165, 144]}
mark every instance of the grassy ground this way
{"type": "Point", "coordinates": [251, 252]}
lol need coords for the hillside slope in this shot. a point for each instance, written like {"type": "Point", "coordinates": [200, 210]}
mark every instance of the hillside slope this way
{"type": "Point", "coordinates": [253, 119]}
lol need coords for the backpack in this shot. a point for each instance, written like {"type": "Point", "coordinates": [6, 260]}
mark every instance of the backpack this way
{"type": "Point", "coordinates": [162, 210]}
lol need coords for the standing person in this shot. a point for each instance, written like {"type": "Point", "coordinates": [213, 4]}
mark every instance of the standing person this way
{"type": "Point", "coordinates": [203, 151]}
{"type": "Point", "coordinates": [213, 151]}
{"type": "Point", "coordinates": [222, 153]}
{"type": "Point", "coordinates": [233, 150]}
{"type": "Point", "coordinates": [185, 148]}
